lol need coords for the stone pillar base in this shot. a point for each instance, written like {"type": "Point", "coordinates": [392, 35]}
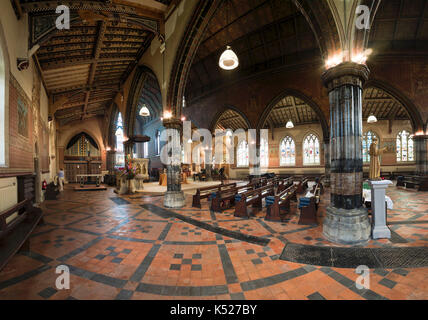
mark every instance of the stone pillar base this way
{"type": "Point", "coordinates": [174, 199]}
{"type": "Point", "coordinates": [346, 226]}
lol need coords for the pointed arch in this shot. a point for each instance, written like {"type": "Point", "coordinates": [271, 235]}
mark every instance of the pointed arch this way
{"type": "Point", "coordinates": [304, 98]}
{"type": "Point", "coordinates": [232, 110]}
{"type": "Point", "coordinates": [411, 109]}
{"type": "Point", "coordinates": [144, 89]}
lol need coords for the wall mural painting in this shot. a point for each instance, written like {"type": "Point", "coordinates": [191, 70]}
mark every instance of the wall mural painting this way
{"type": "Point", "coordinates": [22, 118]}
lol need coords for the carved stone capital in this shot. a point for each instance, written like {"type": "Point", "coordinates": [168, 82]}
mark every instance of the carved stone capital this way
{"type": "Point", "coordinates": [173, 123]}
{"type": "Point", "coordinates": [345, 73]}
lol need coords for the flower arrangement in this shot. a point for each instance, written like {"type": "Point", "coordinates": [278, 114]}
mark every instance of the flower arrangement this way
{"type": "Point", "coordinates": [128, 171]}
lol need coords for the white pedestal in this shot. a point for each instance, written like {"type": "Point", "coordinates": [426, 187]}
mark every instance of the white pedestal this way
{"type": "Point", "coordinates": [379, 227]}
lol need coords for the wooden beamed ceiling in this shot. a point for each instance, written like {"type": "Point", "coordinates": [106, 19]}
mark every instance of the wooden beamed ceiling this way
{"type": "Point", "coordinates": [400, 25]}
{"type": "Point", "coordinates": [231, 119]}
{"type": "Point", "coordinates": [83, 68]}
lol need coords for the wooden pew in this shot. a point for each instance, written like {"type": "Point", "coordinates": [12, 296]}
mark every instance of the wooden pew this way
{"type": "Point", "coordinates": [308, 208]}
{"type": "Point", "coordinates": [303, 185]}
{"type": "Point", "coordinates": [206, 192]}
{"type": "Point", "coordinates": [284, 184]}
{"type": "Point", "coordinates": [225, 198]}
{"type": "Point", "coordinates": [282, 200]}
{"type": "Point", "coordinates": [16, 225]}
{"type": "Point", "coordinates": [421, 182]}
{"type": "Point", "coordinates": [253, 197]}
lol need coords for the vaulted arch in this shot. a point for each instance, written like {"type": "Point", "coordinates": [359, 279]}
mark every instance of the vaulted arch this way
{"type": "Point", "coordinates": [403, 102]}
{"type": "Point", "coordinates": [144, 90]}
{"type": "Point", "coordinates": [230, 117]}
{"type": "Point", "coordinates": [290, 110]}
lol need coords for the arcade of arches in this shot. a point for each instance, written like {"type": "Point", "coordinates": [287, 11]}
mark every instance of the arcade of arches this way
{"type": "Point", "coordinates": [152, 172]}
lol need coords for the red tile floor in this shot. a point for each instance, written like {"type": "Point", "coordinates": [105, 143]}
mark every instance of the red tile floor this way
{"type": "Point", "coordinates": [118, 248]}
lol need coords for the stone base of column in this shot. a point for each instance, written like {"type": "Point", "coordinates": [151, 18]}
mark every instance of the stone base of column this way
{"type": "Point", "coordinates": [347, 226]}
{"type": "Point", "coordinates": [174, 199]}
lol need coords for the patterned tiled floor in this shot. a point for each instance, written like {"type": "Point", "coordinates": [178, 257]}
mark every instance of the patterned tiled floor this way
{"type": "Point", "coordinates": [120, 249]}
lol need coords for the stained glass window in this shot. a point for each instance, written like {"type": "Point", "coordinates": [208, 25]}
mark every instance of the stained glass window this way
{"type": "Point", "coordinates": [242, 154]}
{"type": "Point", "coordinates": [287, 149]}
{"type": "Point", "coordinates": [367, 141]}
{"type": "Point", "coordinates": [264, 153]}
{"type": "Point", "coordinates": [311, 150]}
{"type": "Point", "coordinates": [404, 147]}
{"type": "Point", "coordinates": [120, 155]}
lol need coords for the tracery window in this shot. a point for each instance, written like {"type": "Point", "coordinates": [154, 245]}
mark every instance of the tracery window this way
{"type": "Point", "coordinates": [311, 150]}
{"type": "Point", "coordinates": [367, 141]}
{"type": "Point", "coordinates": [120, 154]}
{"type": "Point", "coordinates": [287, 149]}
{"type": "Point", "coordinates": [404, 147]}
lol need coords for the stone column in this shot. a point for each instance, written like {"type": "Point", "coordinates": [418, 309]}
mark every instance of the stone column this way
{"type": "Point", "coordinates": [174, 196]}
{"type": "Point", "coordinates": [346, 219]}
{"type": "Point", "coordinates": [421, 154]}
{"type": "Point", "coordinates": [327, 163]}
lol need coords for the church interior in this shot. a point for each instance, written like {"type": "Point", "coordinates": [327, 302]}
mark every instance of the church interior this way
{"type": "Point", "coordinates": [214, 150]}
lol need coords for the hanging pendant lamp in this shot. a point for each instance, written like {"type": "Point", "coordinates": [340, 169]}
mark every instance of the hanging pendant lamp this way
{"type": "Point", "coordinates": [289, 124]}
{"type": "Point", "coordinates": [372, 119]}
{"type": "Point", "coordinates": [228, 60]}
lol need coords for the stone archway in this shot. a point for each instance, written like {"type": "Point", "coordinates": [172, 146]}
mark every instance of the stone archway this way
{"type": "Point", "coordinates": [411, 109]}
{"type": "Point", "coordinates": [144, 85]}
{"type": "Point", "coordinates": [303, 97]}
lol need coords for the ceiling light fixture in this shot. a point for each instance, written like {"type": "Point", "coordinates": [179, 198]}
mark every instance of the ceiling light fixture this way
{"type": "Point", "coordinates": [371, 119]}
{"type": "Point", "coordinates": [144, 112]}
{"type": "Point", "coordinates": [228, 60]}
{"type": "Point", "coordinates": [289, 125]}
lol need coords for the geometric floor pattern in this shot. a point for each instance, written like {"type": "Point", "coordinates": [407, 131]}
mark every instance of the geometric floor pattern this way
{"type": "Point", "coordinates": [119, 249]}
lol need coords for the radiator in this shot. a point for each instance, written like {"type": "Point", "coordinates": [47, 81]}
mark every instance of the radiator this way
{"type": "Point", "coordinates": [8, 195]}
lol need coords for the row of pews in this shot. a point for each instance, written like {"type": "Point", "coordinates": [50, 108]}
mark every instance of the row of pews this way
{"type": "Point", "coordinates": [277, 193]}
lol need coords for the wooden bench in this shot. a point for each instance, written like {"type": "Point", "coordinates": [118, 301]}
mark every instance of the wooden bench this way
{"type": "Point", "coordinates": [280, 202]}
{"type": "Point", "coordinates": [253, 197]}
{"type": "Point", "coordinates": [284, 184]}
{"type": "Point", "coordinates": [303, 185]}
{"type": "Point", "coordinates": [309, 206]}
{"type": "Point", "coordinates": [16, 225]}
{"type": "Point", "coordinates": [206, 192]}
{"type": "Point", "coordinates": [225, 198]}
{"type": "Point", "coordinates": [421, 182]}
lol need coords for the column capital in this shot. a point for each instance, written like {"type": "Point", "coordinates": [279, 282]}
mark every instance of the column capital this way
{"type": "Point", "coordinates": [420, 137]}
{"type": "Point", "coordinates": [345, 73]}
{"type": "Point", "coordinates": [172, 123]}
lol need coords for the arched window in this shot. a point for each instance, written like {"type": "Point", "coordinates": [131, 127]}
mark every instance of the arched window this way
{"type": "Point", "coordinates": [367, 141]}
{"type": "Point", "coordinates": [242, 154]}
{"type": "Point", "coordinates": [120, 154]}
{"type": "Point", "coordinates": [157, 142]}
{"type": "Point", "coordinates": [311, 150]}
{"type": "Point", "coordinates": [404, 147]}
{"type": "Point", "coordinates": [287, 149]}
